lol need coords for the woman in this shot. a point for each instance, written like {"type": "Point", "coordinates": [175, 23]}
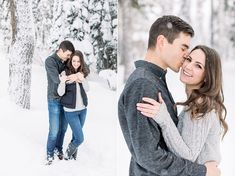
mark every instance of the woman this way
{"type": "Point", "coordinates": [74, 100]}
{"type": "Point", "coordinates": [199, 127]}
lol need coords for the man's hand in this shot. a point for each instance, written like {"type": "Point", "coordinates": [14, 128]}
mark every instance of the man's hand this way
{"type": "Point", "coordinates": [212, 169]}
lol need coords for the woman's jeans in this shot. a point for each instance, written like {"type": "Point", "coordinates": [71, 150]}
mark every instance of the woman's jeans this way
{"type": "Point", "coordinates": [57, 127]}
{"type": "Point", "coordinates": [76, 121]}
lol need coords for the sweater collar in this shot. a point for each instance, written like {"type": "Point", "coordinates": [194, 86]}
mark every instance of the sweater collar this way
{"type": "Point", "coordinates": [57, 57]}
{"type": "Point", "coordinates": [155, 69]}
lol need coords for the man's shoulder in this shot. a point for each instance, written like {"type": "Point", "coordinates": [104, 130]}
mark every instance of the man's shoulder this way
{"type": "Point", "coordinates": [50, 59]}
{"type": "Point", "coordinates": [139, 81]}
{"type": "Point", "coordinates": [142, 75]}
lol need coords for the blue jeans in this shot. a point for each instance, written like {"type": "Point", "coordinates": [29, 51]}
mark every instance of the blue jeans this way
{"type": "Point", "coordinates": [57, 127]}
{"type": "Point", "coordinates": [76, 121]}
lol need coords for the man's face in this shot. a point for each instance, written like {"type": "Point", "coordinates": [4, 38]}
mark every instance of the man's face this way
{"type": "Point", "coordinates": [65, 55]}
{"type": "Point", "coordinates": [175, 52]}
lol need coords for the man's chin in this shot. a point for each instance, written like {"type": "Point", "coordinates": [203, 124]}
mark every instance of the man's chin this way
{"type": "Point", "coordinates": [176, 70]}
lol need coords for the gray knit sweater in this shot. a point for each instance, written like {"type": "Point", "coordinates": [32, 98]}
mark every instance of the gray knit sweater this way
{"type": "Point", "coordinates": [196, 139]}
{"type": "Point", "coordinates": [54, 66]}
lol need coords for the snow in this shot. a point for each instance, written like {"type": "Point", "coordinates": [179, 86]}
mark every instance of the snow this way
{"type": "Point", "coordinates": [110, 76]}
{"type": "Point", "coordinates": [23, 133]}
{"type": "Point", "coordinates": [227, 144]}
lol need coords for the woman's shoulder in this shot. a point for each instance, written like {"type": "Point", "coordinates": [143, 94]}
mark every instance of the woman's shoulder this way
{"type": "Point", "coordinates": [214, 118]}
{"type": "Point", "coordinates": [209, 116]}
{"type": "Point", "coordinates": [211, 119]}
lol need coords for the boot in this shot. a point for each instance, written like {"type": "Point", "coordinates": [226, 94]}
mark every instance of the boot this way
{"type": "Point", "coordinates": [74, 156]}
{"type": "Point", "coordinates": [70, 151]}
{"type": "Point", "coordinates": [59, 154]}
{"type": "Point", "coordinates": [49, 160]}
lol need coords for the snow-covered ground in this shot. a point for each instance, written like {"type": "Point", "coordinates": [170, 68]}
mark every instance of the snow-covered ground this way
{"type": "Point", "coordinates": [23, 133]}
{"type": "Point", "coordinates": [177, 89]}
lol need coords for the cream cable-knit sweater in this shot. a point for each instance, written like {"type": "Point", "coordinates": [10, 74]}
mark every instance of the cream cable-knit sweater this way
{"type": "Point", "coordinates": [195, 139]}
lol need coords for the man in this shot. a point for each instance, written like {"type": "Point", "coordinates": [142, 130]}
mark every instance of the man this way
{"type": "Point", "coordinates": [169, 39]}
{"type": "Point", "coordinates": [57, 124]}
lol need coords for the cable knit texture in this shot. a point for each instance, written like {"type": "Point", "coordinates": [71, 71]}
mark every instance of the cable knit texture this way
{"type": "Point", "coordinates": [195, 139]}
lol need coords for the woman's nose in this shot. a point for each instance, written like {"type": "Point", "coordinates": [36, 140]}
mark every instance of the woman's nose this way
{"type": "Point", "coordinates": [188, 66]}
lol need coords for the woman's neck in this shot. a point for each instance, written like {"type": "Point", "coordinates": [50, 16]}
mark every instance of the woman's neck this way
{"type": "Point", "coordinates": [188, 91]}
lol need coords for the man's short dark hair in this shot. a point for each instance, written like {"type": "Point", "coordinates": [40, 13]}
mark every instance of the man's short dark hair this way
{"type": "Point", "coordinates": [67, 45]}
{"type": "Point", "coordinates": [169, 26]}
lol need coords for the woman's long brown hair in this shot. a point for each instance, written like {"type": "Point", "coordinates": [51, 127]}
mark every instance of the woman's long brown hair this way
{"type": "Point", "coordinates": [210, 95]}
{"type": "Point", "coordinates": [83, 68]}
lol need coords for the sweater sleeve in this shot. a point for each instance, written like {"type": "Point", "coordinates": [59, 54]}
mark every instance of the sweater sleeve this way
{"type": "Point", "coordinates": [195, 132]}
{"type": "Point", "coordinates": [61, 86]}
{"type": "Point", "coordinates": [211, 149]}
{"type": "Point", "coordinates": [144, 137]}
{"type": "Point", "coordinates": [52, 70]}
{"type": "Point", "coordinates": [85, 85]}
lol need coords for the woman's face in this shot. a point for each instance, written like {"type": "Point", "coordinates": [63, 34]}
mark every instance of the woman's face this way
{"type": "Point", "coordinates": [193, 69]}
{"type": "Point", "coordinates": [76, 62]}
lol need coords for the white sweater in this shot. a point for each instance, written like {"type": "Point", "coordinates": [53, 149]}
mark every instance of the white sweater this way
{"type": "Point", "coordinates": [195, 139]}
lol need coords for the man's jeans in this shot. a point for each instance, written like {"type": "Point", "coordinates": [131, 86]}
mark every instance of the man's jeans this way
{"type": "Point", "coordinates": [76, 121]}
{"type": "Point", "coordinates": [57, 127]}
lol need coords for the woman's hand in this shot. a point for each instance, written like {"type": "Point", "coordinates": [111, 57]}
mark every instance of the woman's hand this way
{"type": "Point", "coordinates": [63, 78]}
{"type": "Point", "coordinates": [212, 169]}
{"type": "Point", "coordinates": [151, 107]}
{"type": "Point", "coordinates": [80, 76]}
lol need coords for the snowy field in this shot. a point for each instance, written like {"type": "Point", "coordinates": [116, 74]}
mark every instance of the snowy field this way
{"type": "Point", "coordinates": [227, 145]}
{"type": "Point", "coordinates": [23, 133]}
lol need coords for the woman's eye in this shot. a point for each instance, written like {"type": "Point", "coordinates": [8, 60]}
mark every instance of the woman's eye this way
{"type": "Point", "coordinates": [187, 59]}
{"type": "Point", "coordinates": [198, 66]}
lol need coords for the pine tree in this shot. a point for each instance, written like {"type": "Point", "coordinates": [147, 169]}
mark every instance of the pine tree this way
{"type": "Point", "coordinates": [232, 29]}
{"type": "Point", "coordinates": [57, 32]}
{"type": "Point", "coordinates": [101, 34]}
{"type": "Point", "coordinates": [43, 15]}
{"type": "Point", "coordinates": [21, 52]}
{"type": "Point", "coordinates": [111, 49]}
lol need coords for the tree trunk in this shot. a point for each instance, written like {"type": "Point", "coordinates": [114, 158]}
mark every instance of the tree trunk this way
{"type": "Point", "coordinates": [212, 23]}
{"type": "Point", "coordinates": [13, 20]}
{"type": "Point", "coordinates": [21, 54]}
{"type": "Point", "coordinates": [125, 42]}
{"type": "Point", "coordinates": [185, 10]}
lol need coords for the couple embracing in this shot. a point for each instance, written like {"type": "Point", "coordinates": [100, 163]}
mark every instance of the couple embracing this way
{"type": "Point", "coordinates": [161, 142]}
{"type": "Point", "coordinates": [67, 100]}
